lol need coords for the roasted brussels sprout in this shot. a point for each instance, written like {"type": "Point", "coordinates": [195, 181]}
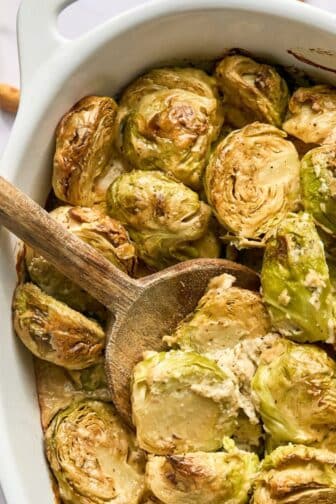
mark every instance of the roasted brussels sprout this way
{"type": "Point", "coordinates": [200, 478]}
{"type": "Point", "coordinates": [165, 218]}
{"type": "Point", "coordinates": [295, 281]}
{"type": "Point", "coordinates": [252, 91]}
{"type": "Point", "coordinates": [93, 456]}
{"type": "Point", "coordinates": [297, 475]}
{"type": "Point", "coordinates": [54, 332]}
{"type": "Point", "coordinates": [190, 79]}
{"type": "Point", "coordinates": [84, 147]}
{"type": "Point", "coordinates": [252, 181]}
{"type": "Point", "coordinates": [224, 316]}
{"type": "Point", "coordinates": [105, 234]}
{"type": "Point", "coordinates": [312, 113]}
{"type": "Point", "coordinates": [318, 182]}
{"type": "Point", "coordinates": [168, 120]}
{"type": "Point", "coordinates": [295, 393]}
{"type": "Point", "coordinates": [182, 402]}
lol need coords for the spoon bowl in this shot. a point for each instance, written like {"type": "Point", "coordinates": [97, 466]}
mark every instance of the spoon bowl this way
{"type": "Point", "coordinates": [164, 299]}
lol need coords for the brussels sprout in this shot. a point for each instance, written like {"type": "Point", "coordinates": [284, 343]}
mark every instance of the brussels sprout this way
{"type": "Point", "coordinates": [168, 120]}
{"type": "Point", "coordinates": [164, 217]}
{"type": "Point", "coordinates": [295, 392]}
{"type": "Point", "coordinates": [312, 113]}
{"type": "Point", "coordinates": [295, 281]}
{"type": "Point", "coordinates": [182, 402]}
{"type": "Point", "coordinates": [252, 181]}
{"type": "Point", "coordinates": [93, 457]}
{"type": "Point", "coordinates": [318, 182]}
{"type": "Point", "coordinates": [252, 91]}
{"type": "Point", "coordinates": [84, 147]}
{"type": "Point", "coordinates": [105, 234]}
{"type": "Point", "coordinates": [224, 316]}
{"type": "Point", "coordinates": [192, 80]}
{"type": "Point", "coordinates": [202, 478]}
{"type": "Point", "coordinates": [54, 332]}
{"type": "Point", "coordinates": [297, 475]}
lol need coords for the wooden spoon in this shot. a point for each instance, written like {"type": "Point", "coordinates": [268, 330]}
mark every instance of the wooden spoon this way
{"type": "Point", "coordinates": [143, 310]}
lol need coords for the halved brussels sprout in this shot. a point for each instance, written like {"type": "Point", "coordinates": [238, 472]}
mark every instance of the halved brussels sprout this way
{"type": "Point", "coordinates": [252, 181]}
{"type": "Point", "coordinates": [318, 182]}
{"type": "Point", "coordinates": [312, 113]}
{"type": "Point", "coordinates": [164, 217]}
{"type": "Point", "coordinates": [168, 120]}
{"type": "Point", "coordinates": [297, 475]}
{"type": "Point", "coordinates": [54, 332]}
{"type": "Point", "coordinates": [93, 456]}
{"type": "Point", "coordinates": [295, 281]}
{"type": "Point", "coordinates": [224, 316]}
{"type": "Point", "coordinates": [182, 402]}
{"type": "Point", "coordinates": [105, 234]}
{"type": "Point", "coordinates": [295, 393]}
{"type": "Point", "coordinates": [202, 478]}
{"type": "Point", "coordinates": [84, 147]}
{"type": "Point", "coordinates": [252, 91]}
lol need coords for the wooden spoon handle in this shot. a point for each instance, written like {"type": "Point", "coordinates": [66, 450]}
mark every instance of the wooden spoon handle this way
{"type": "Point", "coordinates": [70, 255]}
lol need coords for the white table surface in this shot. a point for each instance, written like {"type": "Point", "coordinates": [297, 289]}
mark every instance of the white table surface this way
{"type": "Point", "coordinates": [78, 18]}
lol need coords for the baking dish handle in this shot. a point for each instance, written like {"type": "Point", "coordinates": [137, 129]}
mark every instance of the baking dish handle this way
{"type": "Point", "coordinates": [38, 35]}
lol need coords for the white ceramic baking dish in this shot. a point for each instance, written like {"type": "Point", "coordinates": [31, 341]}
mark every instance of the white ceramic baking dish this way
{"type": "Point", "coordinates": [55, 73]}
